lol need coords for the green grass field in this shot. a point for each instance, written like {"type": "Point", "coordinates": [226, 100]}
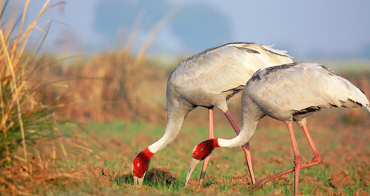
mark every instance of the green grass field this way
{"type": "Point", "coordinates": [101, 158]}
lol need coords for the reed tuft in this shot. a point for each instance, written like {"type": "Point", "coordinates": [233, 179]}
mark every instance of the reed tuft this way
{"type": "Point", "coordinates": [24, 118]}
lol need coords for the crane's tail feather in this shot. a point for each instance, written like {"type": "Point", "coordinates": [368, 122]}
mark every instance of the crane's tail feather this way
{"type": "Point", "coordinates": [355, 95]}
{"type": "Point", "coordinates": [276, 51]}
{"type": "Point", "coordinates": [367, 107]}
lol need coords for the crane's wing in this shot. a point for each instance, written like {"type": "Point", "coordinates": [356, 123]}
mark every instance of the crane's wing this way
{"type": "Point", "coordinates": [226, 67]}
{"type": "Point", "coordinates": [296, 87]}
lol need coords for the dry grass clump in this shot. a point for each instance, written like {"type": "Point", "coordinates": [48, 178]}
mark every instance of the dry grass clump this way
{"type": "Point", "coordinates": [22, 115]}
{"type": "Point", "coordinates": [107, 87]}
{"type": "Point", "coordinates": [25, 120]}
{"type": "Point", "coordinates": [38, 175]}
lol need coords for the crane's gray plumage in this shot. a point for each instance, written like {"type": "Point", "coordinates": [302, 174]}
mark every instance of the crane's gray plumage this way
{"type": "Point", "coordinates": [307, 88]}
{"type": "Point", "coordinates": [292, 92]}
{"type": "Point", "coordinates": [214, 75]}
{"type": "Point", "coordinates": [209, 79]}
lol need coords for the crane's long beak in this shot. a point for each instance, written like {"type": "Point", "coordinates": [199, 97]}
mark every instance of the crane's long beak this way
{"type": "Point", "coordinates": [138, 181]}
{"type": "Point", "coordinates": [193, 164]}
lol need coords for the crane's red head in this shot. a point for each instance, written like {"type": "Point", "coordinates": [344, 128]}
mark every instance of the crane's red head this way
{"type": "Point", "coordinates": [202, 150]}
{"type": "Point", "coordinates": [140, 166]}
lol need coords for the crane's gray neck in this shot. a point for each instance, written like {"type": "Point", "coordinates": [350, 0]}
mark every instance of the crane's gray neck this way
{"type": "Point", "coordinates": [246, 133]}
{"type": "Point", "coordinates": [172, 129]}
{"type": "Point", "coordinates": [251, 115]}
{"type": "Point", "coordinates": [175, 119]}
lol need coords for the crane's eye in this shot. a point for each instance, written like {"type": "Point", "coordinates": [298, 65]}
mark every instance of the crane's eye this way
{"type": "Point", "coordinates": [201, 149]}
{"type": "Point", "coordinates": [138, 164]}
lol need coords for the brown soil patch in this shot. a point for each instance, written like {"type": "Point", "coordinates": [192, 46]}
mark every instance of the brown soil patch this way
{"type": "Point", "coordinates": [309, 180]}
{"type": "Point", "coordinates": [101, 175]}
{"type": "Point", "coordinates": [26, 178]}
{"type": "Point", "coordinates": [239, 179]}
{"type": "Point", "coordinates": [193, 185]}
{"type": "Point", "coordinates": [340, 178]}
{"type": "Point", "coordinates": [360, 192]}
{"type": "Point", "coordinates": [366, 181]}
{"type": "Point", "coordinates": [159, 175]}
{"type": "Point", "coordinates": [328, 190]}
{"type": "Point", "coordinates": [210, 190]}
{"type": "Point", "coordinates": [276, 192]}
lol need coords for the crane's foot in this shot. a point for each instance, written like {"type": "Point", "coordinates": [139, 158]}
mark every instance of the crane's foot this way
{"type": "Point", "coordinates": [259, 184]}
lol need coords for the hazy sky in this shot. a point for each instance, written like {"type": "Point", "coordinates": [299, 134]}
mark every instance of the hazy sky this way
{"type": "Point", "coordinates": [329, 28]}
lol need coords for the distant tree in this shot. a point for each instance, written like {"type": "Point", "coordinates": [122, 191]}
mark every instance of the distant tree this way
{"type": "Point", "coordinates": [365, 51]}
{"type": "Point", "coordinates": [200, 26]}
{"type": "Point", "coordinates": [111, 15]}
{"type": "Point", "coordinates": [153, 12]}
{"type": "Point", "coordinates": [114, 14]}
{"type": "Point", "coordinates": [197, 26]}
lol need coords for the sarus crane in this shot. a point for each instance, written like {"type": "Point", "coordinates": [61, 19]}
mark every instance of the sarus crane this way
{"type": "Point", "coordinates": [288, 93]}
{"type": "Point", "coordinates": [208, 79]}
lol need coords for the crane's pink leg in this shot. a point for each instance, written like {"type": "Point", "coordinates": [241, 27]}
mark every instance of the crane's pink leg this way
{"type": "Point", "coordinates": [245, 147]}
{"type": "Point", "coordinates": [297, 157]}
{"type": "Point", "coordinates": [316, 156]}
{"type": "Point", "coordinates": [314, 161]}
{"type": "Point", "coordinates": [210, 136]}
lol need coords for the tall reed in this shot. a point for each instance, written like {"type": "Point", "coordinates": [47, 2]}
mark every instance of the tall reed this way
{"type": "Point", "coordinates": [24, 118]}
